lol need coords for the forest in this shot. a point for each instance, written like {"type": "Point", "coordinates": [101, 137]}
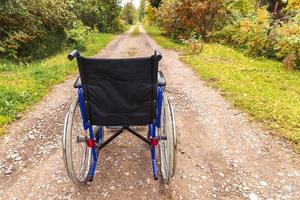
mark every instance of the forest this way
{"type": "Point", "coordinates": [263, 28]}
{"type": "Point", "coordinates": [35, 29]}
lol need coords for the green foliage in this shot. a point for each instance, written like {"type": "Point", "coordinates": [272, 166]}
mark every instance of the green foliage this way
{"type": "Point", "coordinates": [129, 13]}
{"type": "Point", "coordinates": [31, 28]}
{"type": "Point", "coordinates": [151, 15]}
{"type": "Point", "coordinates": [78, 34]}
{"type": "Point", "coordinates": [260, 35]}
{"type": "Point", "coordinates": [194, 45]}
{"type": "Point", "coordinates": [141, 10]}
{"type": "Point", "coordinates": [23, 84]}
{"type": "Point", "coordinates": [249, 33]}
{"type": "Point", "coordinates": [260, 87]}
{"type": "Point", "coordinates": [286, 42]}
{"type": "Point", "coordinates": [103, 15]}
{"type": "Point", "coordinates": [35, 29]}
{"type": "Point", "coordinates": [268, 28]}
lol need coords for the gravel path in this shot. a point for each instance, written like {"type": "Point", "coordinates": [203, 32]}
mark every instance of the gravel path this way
{"type": "Point", "coordinates": [221, 154]}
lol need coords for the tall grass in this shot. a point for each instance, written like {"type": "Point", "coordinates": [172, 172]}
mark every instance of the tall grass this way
{"type": "Point", "coordinates": [24, 84]}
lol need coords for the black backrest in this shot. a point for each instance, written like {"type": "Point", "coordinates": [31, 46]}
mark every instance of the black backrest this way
{"type": "Point", "coordinates": [119, 92]}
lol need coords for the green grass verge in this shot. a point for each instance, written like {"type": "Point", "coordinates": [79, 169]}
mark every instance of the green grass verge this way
{"type": "Point", "coordinates": [260, 87]}
{"type": "Point", "coordinates": [163, 41]}
{"type": "Point", "coordinates": [23, 85]}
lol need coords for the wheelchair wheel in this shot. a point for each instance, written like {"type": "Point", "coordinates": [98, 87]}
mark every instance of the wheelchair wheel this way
{"type": "Point", "coordinates": [167, 142]}
{"type": "Point", "coordinates": [77, 155]}
{"type": "Point", "coordinates": [174, 138]}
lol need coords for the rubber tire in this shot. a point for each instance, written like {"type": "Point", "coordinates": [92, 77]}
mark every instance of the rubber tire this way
{"type": "Point", "coordinates": [67, 147]}
{"type": "Point", "coordinates": [170, 141]}
{"type": "Point", "coordinates": [174, 138]}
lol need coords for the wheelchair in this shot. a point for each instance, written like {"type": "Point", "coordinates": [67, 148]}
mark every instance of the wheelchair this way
{"type": "Point", "coordinates": [118, 95]}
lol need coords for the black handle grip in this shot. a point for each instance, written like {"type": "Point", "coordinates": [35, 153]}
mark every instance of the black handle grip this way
{"type": "Point", "coordinates": [158, 55]}
{"type": "Point", "coordinates": [72, 54]}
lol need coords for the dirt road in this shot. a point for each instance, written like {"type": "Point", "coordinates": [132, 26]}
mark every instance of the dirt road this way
{"type": "Point", "coordinates": [221, 154]}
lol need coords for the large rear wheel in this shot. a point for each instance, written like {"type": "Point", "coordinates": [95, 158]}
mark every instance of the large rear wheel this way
{"type": "Point", "coordinates": [167, 141]}
{"type": "Point", "coordinates": [77, 155]}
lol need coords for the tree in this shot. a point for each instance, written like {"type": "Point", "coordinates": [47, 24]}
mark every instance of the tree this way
{"type": "Point", "coordinates": [142, 10]}
{"type": "Point", "coordinates": [129, 13]}
{"type": "Point", "coordinates": [101, 14]}
{"type": "Point", "coordinates": [182, 19]}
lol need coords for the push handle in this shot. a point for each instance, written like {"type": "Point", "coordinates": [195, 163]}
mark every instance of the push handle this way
{"type": "Point", "coordinates": [158, 55]}
{"type": "Point", "coordinates": [73, 54]}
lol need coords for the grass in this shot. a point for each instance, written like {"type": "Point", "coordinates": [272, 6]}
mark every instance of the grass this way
{"type": "Point", "coordinates": [163, 41]}
{"type": "Point", "coordinates": [260, 87]}
{"type": "Point", "coordinates": [135, 31]}
{"type": "Point", "coordinates": [23, 85]}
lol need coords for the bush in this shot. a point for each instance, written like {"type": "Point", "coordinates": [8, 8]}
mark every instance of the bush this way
{"type": "Point", "coordinates": [287, 42]}
{"type": "Point", "coordinates": [31, 28]}
{"type": "Point", "coordinates": [252, 34]}
{"type": "Point", "coordinates": [151, 15]}
{"type": "Point", "coordinates": [256, 36]}
{"type": "Point", "coordinates": [195, 45]}
{"type": "Point", "coordinates": [180, 18]}
{"type": "Point", "coordinates": [34, 29]}
{"type": "Point", "coordinates": [255, 29]}
{"type": "Point", "coordinates": [78, 34]}
{"type": "Point", "coordinates": [103, 15]}
{"type": "Point", "coordinates": [129, 13]}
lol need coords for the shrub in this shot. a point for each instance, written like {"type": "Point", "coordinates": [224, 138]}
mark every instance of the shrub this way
{"type": "Point", "coordinates": [151, 15]}
{"type": "Point", "coordinates": [260, 35]}
{"type": "Point", "coordinates": [253, 34]}
{"type": "Point", "coordinates": [78, 34]}
{"type": "Point", "coordinates": [287, 42]}
{"type": "Point", "coordinates": [179, 18]}
{"type": "Point", "coordinates": [103, 15]}
{"type": "Point", "coordinates": [129, 13]}
{"type": "Point", "coordinates": [31, 28]}
{"type": "Point", "coordinates": [195, 45]}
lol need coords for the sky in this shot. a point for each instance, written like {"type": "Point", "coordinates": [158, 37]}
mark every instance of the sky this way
{"type": "Point", "coordinates": [135, 2]}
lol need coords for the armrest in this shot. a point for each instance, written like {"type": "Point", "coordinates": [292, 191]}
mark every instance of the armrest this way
{"type": "Point", "coordinates": [77, 83]}
{"type": "Point", "coordinates": [161, 79]}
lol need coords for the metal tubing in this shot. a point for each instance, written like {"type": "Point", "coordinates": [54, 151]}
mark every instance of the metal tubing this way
{"type": "Point", "coordinates": [86, 126]}
{"type": "Point", "coordinates": [159, 105]}
{"type": "Point", "coordinates": [153, 159]}
{"type": "Point", "coordinates": [94, 153]}
{"type": "Point", "coordinates": [111, 138]}
{"type": "Point", "coordinates": [137, 135]}
{"type": "Point", "coordinates": [82, 111]}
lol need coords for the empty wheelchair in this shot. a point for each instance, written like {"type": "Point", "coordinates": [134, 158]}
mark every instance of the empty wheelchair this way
{"type": "Point", "coordinates": [118, 94]}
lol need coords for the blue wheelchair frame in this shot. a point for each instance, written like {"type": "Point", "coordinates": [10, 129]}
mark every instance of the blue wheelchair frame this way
{"type": "Point", "coordinates": [96, 143]}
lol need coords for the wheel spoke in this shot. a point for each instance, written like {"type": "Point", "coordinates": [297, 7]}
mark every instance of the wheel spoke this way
{"type": "Point", "coordinates": [77, 154]}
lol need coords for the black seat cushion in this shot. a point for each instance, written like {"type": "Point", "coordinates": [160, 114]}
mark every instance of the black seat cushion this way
{"type": "Point", "coordinates": [119, 92]}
